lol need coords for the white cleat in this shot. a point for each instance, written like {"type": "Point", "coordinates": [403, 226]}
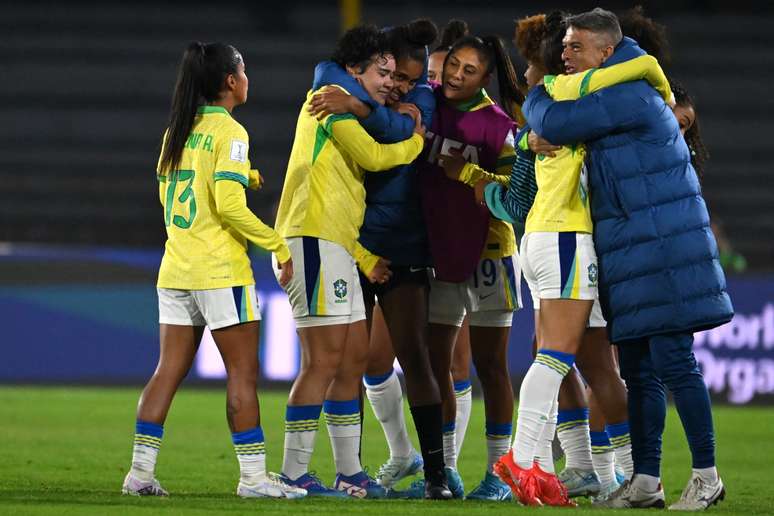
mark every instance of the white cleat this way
{"type": "Point", "coordinates": [699, 495]}
{"type": "Point", "coordinates": [398, 468]}
{"type": "Point", "coordinates": [136, 487]}
{"type": "Point", "coordinates": [580, 482]}
{"type": "Point", "coordinates": [629, 496]}
{"type": "Point", "coordinates": [270, 487]}
{"type": "Point", "coordinates": [605, 492]}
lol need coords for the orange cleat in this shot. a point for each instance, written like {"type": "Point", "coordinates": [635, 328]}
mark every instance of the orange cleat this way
{"type": "Point", "coordinates": [551, 491]}
{"type": "Point", "coordinates": [524, 485]}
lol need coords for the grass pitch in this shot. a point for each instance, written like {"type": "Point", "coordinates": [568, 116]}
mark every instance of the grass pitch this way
{"type": "Point", "coordinates": [66, 451]}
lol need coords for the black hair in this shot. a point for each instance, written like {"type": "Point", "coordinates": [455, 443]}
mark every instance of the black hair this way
{"type": "Point", "coordinates": [599, 21]}
{"type": "Point", "coordinates": [454, 30]}
{"type": "Point", "coordinates": [699, 153]}
{"type": "Point", "coordinates": [492, 51]}
{"type": "Point", "coordinates": [551, 46]}
{"type": "Point", "coordinates": [650, 35]}
{"type": "Point", "coordinates": [411, 40]}
{"type": "Point", "coordinates": [200, 79]}
{"type": "Point", "coordinates": [357, 47]}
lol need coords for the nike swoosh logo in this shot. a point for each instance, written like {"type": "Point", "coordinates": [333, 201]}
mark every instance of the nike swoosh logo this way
{"type": "Point", "coordinates": [481, 298]}
{"type": "Point", "coordinates": [417, 269]}
{"type": "Point", "coordinates": [709, 499]}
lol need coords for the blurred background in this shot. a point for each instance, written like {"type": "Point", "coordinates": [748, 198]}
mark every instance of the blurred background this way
{"type": "Point", "coordinates": [88, 86]}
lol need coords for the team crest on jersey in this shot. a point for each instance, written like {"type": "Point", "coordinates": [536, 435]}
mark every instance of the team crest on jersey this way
{"type": "Point", "coordinates": [238, 151]}
{"type": "Point", "coordinates": [340, 289]}
{"type": "Point", "coordinates": [593, 272]}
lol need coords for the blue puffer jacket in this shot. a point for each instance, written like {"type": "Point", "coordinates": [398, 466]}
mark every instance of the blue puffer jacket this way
{"type": "Point", "coordinates": [658, 260]}
{"type": "Point", "coordinates": [393, 226]}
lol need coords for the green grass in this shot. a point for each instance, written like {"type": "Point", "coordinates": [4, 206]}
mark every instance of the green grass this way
{"type": "Point", "coordinates": [66, 451]}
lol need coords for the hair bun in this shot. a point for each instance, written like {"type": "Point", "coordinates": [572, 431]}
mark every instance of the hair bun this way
{"type": "Point", "coordinates": [453, 31]}
{"type": "Point", "coordinates": [421, 32]}
{"type": "Point", "coordinates": [555, 21]}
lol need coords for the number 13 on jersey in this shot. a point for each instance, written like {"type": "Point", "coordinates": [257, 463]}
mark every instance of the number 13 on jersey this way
{"type": "Point", "coordinates": [173, 203]}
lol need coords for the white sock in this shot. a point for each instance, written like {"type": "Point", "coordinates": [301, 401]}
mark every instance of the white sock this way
{"type": "Point", "coordinates": [498, 441]}
{"type": "Point", "coordinates": [251, 454]}
{"type": "Point", "coordinates": [539, 391]}
{"type": "Point", "coordinates": [708, 475]}
{"type": "Point", "coordinates": [300, 431]}
{"type": "Point", "coordinates": [623, 457]}
{"type": "Point", "coordinates": [576, 444]}
{"type": "Point", "coordinates": [604, 466]}
{"type": "Point", "coordinates": [464, 396]}
{"type": "Point", "coordinates": [252, 468]}
{"type": "Point", "coordinates": [603, 457]}
{"type": "Point", "coordinates": [544, 453]}
{"type": "Point", "coordinates": [621, 441]}
{"type": "Point", "coordinates": [147, 441]}
{"type": "Point", "coordinates": [647, 483]}
{"type": "Point", "coordinates": [386, 399]}
{"type": "Point", "coordinates": [450, 446]}
{"type": "Point", "coordinates": [343, 419]}
{"type": "Point", "coordinates": [144, 462]}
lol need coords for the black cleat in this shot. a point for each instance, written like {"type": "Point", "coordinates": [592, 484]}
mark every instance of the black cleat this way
{"type": "Point", "coordinates": [436, 487]}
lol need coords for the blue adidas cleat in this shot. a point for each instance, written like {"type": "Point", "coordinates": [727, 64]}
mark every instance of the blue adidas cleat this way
{"type": "Point", "coordinates": [491, 489]}
{"type": "Point", "coordinates": [313, 486]}
{"type": "Point", "coordinates": [416, 490]}
{"type": "Point", "coordinates": [455, 483]}
{"type": "Point", "coordinates": [580, 482]}
{"type": "Point", "coordinates": [359, 485]}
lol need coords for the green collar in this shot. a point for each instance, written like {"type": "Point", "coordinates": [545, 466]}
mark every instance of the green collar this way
{"type": "Point", "coordinates": [203, 110]}
{"type": "Point", "coordinates": [470, 104]}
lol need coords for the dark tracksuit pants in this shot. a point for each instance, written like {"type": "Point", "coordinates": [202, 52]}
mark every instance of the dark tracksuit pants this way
{"type": "Point", "coordinates": [649, 365]}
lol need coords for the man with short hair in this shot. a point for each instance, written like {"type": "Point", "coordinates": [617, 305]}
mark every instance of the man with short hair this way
{"type": "Point", "coordinates": [659, 275]}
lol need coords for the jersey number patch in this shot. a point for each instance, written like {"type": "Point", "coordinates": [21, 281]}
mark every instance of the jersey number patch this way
{"type": "Point", "coordinates": [185, 197]}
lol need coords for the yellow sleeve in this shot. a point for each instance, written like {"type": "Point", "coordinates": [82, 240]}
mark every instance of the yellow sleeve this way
{"type": "Point", "coordinates": [571, 87]}
{"type": "Point", "coordinates": [366, 261]}
{"type": "Point", "coordinates": [231, 203]}
{"type": "Point", "coordinates": [254, 180]}
{"type": "Point", "coordinates": [231, 156]}
{"type": "Point", "coordinates": [162, 178]}
{"type": "Point", "coordinates": [366, 151]}
{"type": "Point", "coordinates": [472, 174]}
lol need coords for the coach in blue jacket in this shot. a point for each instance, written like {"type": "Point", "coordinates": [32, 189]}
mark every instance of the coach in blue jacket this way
{"type": "Point", "coordinates": [659, 275]}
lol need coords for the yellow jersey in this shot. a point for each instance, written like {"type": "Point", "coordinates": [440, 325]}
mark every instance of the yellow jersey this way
{"type": "Point", "coordinates": [323, 195]}
{"type": "Point", "coordinates": [562, 200]}
{"type": "Point", "coordinates": [205, 211]}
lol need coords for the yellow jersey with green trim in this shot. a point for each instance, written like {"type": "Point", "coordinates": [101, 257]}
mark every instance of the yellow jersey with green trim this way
{"type": "Point", "coordinates": [562, 200]}
{"type": "Point", "coordinates": [323, 195]}
{"type": "Point", "coordinates": [204, 250]}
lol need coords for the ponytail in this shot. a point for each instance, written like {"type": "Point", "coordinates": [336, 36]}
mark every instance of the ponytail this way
{"type": "Point", "coordinates": [454, 30]}
{"type": "Point", "coordinates": [511, 96]}
{"type": "Point", "coordinates": [200, 79]}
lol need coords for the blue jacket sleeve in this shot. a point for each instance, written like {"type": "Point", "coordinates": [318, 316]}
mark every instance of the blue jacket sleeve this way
{"type": "Point", "coordinates": [383, 124]}
{"type": "Point", "coordinates": [588, 118]}
{"type": "Point", "coordinates": [389, 126]}
{"type": "Point", "coordinates": [328, 72]}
